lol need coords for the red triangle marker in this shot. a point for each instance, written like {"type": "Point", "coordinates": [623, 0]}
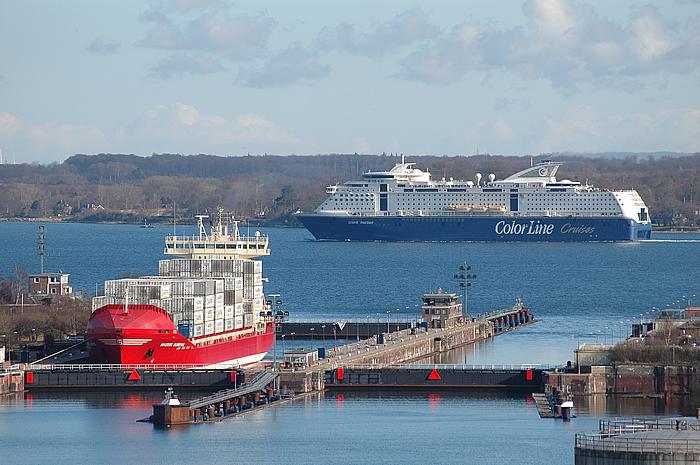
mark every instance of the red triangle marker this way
{"type": "Point", "coordinates": [434, 375]}
{"type": "Point", "coordinates": [134, 376]}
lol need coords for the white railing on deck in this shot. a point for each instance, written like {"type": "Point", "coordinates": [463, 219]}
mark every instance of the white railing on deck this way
{"type": "Point", "coordinates": [144, 366]}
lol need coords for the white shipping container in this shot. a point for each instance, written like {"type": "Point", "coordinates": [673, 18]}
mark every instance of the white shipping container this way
{"type": "Point", "coordinates": [198, 330]}
{"type": "Point", "coordinates": [229, 324]}
{"type": "Point", "coordinates": [209, 327]}
{"type": "Point", "coordinates": [165, 291]}
{"type": "Point", "coordinates": [229, 311]}
{"type": "Point", "coordinates": [219, 326]}
{"type": "Point", "coordinates": [198, 316]}
{"type": "Point", "coordinates": [219, 299]}
{"type": "Point", "coordinates": [199, 303]}
{"type": "Point", "coordinates": [208, 314]}
{"type": "Point", "coordinates": [219, 313]}
{"type": "Point", "coordinates": [239, 322]}
{"type": "Point", "coordinates": [210, 301]}
{"type": "Point", "coordinates": [238, 309]}
{"type": "Point", "coordinates": [247, 321]}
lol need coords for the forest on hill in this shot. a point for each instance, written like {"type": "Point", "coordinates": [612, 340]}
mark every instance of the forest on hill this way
{"type": "Point", "coordinates": [128, 188]}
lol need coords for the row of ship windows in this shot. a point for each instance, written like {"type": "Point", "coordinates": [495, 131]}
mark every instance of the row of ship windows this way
{"type": "Point", "coordinates": [535, 204]}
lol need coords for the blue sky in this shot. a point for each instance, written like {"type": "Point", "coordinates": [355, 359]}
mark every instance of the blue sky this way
{"type": "Point", "coordinates": [307, 77]}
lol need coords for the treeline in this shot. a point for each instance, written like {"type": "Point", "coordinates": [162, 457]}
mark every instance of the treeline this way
{"type": "Point", "coordinates": [128, 187]}
{"type": "Point", "coordinates": [24, 318]}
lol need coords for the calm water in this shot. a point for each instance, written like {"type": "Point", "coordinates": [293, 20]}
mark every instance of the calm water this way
{"type": "Point", "coordinates": [581, 293]}
{"type": "Point", "coordinates": [418, 428]}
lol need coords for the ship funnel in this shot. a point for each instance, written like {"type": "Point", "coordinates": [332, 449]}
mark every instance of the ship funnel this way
{"type": "Point", "coordinates": [478, 178]}
{"type": "Point", "coordinates": [492, 177]}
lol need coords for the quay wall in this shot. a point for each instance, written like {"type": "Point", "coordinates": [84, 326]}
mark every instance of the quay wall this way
{"type": "Point", "coordinates": [628, 379]}
{"type": "Point", "coordinates": [608, 457]}
{"type": "Point", "coordinates": [11, 382]}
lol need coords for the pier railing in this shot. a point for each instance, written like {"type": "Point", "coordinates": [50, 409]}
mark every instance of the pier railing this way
{"type": "Point", "coordinates": [111, 367]}
{"type": "Point", "coordinates": [617, 436]}
{"type": "Point", "coordinates": [597, 441]}
{"type": "Point", "coordinates": [444, 366]}
{"type": "Point", "coordinates": [613, 427]}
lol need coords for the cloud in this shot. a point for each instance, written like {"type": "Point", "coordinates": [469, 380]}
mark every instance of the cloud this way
{"type": "Point", "coordinates": [182, 122]}
{"type": "Point", "coordinates": [401, 31]}
{"type": "Point", "coordinates": [192, 5]}
{"type": "Point", "coordinates": [292, 65]}
{"type": "Point", "coordinates": [51, 135]}
{"type": "Point", "coordinates": [565, 43]}
{"type": "Point", "coordinates": [103, 46]}
{"type": "Point", "coordinates": [9, 123]}
{"type": "Point", "coordinates": [179, 64]}
{"type": "Point", "coordinates": [584, 128]}
{"type": "Point", "coordinates": [239, 37]}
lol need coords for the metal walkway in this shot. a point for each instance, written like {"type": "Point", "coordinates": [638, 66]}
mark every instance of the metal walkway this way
{"type": "Point", "coordinates": [258, 383]}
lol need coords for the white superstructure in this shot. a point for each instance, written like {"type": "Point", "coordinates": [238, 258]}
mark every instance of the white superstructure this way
{"type": "Point", "coordinates": [535, 191]}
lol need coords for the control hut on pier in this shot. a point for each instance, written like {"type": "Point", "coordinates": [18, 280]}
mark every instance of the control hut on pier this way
{"type": "Point", "coordinates": [442, 310]}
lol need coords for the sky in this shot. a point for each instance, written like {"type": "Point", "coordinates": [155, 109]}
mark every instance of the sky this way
{"type": "Point", "coordinates": [307, 77]}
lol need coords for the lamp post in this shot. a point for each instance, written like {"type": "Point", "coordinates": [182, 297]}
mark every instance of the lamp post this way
{"type": "Point", "coordinates": [284, 348]}
{"type": "Point", "coordinates": [323, 327]}
{"type": "Point", "coordinates": [312, 336]}
{"type": "Point", "coordinates": [387, 321]}
{"type": "Point", "coordinates": [465, 278]}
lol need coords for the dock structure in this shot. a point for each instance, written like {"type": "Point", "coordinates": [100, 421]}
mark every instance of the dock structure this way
{"type": "Point", "coordinates": [135, 377]}
{"type": "Point", "coordinates": [640, 441]}
{"type": "Point", "coordinates": [259, 391]}
{"type": "Point", "coordinates": [509, 377]}
{"type": "Point", "coordinates": [400, 347]}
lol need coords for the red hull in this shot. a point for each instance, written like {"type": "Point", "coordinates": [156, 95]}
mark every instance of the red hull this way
{"type": "Point", "coordinates": [146, 335]}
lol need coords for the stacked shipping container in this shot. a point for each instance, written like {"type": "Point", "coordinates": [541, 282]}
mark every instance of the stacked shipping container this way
{"type": "Point", "coordinates": [204, 297]}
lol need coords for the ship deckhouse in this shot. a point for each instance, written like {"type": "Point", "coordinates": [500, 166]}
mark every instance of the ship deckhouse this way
{"type": "Point", "coordinates": [535, 191]}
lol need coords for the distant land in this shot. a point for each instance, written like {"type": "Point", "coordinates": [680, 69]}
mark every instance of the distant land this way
{"type": "Point", "coordinates": [270, 188]}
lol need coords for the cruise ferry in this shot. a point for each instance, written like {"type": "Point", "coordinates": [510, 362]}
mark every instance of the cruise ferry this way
{"type": "Point", "coordinates": [206, 308]}
{"type": "Point", "coordinates": [406, 204]}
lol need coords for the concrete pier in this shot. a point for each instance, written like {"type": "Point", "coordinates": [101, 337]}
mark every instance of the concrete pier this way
{"type": "Point", "coordinates": [403, 346]}
{"type": "Point", "coordinates": [640, 442]}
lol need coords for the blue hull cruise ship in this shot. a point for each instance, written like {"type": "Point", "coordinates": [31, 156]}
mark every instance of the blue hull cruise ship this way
{"type": "Point", "coordinates": [405, 204]}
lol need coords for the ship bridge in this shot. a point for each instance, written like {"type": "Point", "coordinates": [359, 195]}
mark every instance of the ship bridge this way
{"type": "Point", "coordinates": [222, 242]}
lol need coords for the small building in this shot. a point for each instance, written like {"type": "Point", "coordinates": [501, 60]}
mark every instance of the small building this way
{"type": "Point", "coordinates": [300, 358]}
{"type": "Point", "coordinates": [49, 284]}
{"type": "Point", "coordinates": [692, 313]}
{"type": "Point", "coordinates": [442, 310]}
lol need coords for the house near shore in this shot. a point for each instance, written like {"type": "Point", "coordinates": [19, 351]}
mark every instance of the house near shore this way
{"type": "Point", "coordinates": [49, 285]}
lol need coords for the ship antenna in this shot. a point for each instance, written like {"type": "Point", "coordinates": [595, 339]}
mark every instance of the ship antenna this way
{"type": "Point", "coordinates": [174, 234]}
{"type": "Point", "coordinates": [402, 159]}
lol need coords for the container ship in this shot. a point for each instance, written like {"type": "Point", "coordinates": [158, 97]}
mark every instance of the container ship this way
{"type": "Point", "coordinates": [405, 204]}
{"type": "Point", "coordinates": [206, 308]}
